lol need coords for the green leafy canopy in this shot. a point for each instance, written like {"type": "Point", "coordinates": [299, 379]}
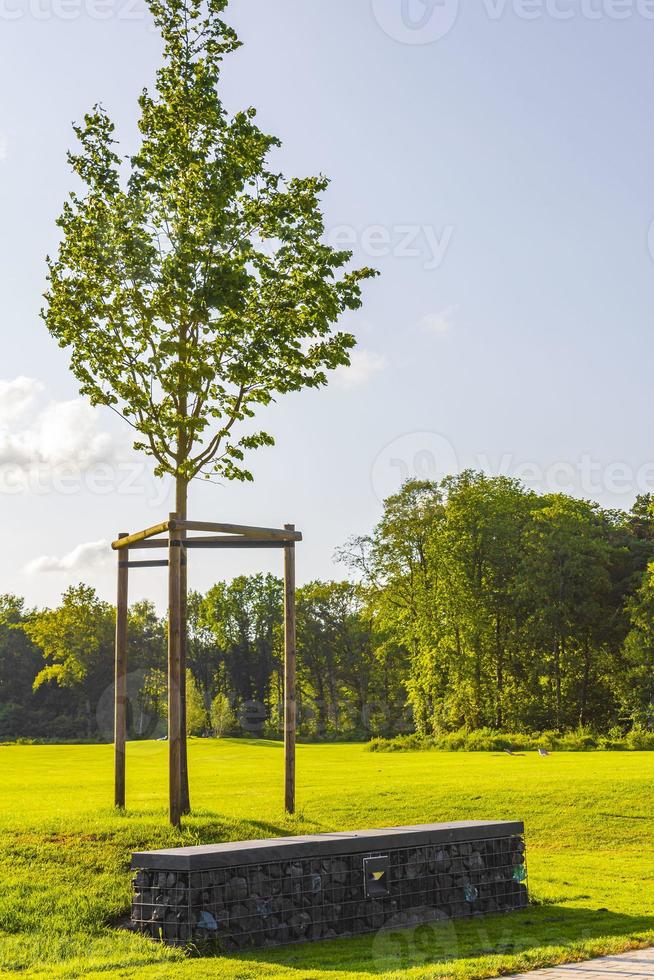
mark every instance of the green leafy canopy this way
{"type": "Point", "coordinates": [192, 283]}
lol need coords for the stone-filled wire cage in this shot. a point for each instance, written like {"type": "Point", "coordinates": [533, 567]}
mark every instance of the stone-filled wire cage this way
{"type": "Point", "coordinates": [291, 890]}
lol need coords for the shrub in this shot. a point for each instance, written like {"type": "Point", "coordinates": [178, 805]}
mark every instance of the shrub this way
{"type": "Point", "coordinates": [581, 740]}
{"type": "Point", "coordinates": [401, 743]}
{"type": "Point", "coordinates": [640, 739]}
{"type": "Point", "coordinates": [490, 740]}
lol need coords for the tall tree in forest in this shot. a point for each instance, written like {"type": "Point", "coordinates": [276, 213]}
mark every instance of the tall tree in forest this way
{"type": "Point", "coordinates": [566, 582]}
{"type": "Point", "coordinates": [147, 636]}
{"type": "Point", "coordinates": [204, 654]}
{"type": "Point", "coordinates": [338, 659]}
{"type": "Point", "coordinates": [392, 561]}
{"type": "Point", "coordinates": [76, 640]}
{"type": "Point", "coordinates": [474, 555]}
{"type": "Point", "coordinates": [635, 682]}
{"type": "Point", "coordinates": [318, 653]}
{"type": "Point", "coordinates": [245, 616]}
{"type": "Point", "coordinates": [192, 284]}
{"type": "Point", "coordinates": [20, 662]}
{"type": "Point", "coordinates": [394, 568]}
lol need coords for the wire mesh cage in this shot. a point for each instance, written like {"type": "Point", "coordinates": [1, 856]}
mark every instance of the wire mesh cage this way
{"type": "Point", "coordinates": [325, 896]}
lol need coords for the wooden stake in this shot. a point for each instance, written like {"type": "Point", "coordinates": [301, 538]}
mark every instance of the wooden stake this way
{"type": "Point", "coordinates": [120, 679]}
{"type": "Point", "coordinates": [174, 674]}
{"type": "Point", "coordinates": [290, 717]}
{"type": "Point", "coordinates": [185, 798]}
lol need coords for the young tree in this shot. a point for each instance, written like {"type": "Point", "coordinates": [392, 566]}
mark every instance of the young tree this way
{"type": "Point", "coordinates": [198, 719]}
{"type": "Point", "coordinates": [192, 285]}
{"type": "Point", "coordinates": [566, 574]}
{"type": "Point", "coordinates": [223, 719]}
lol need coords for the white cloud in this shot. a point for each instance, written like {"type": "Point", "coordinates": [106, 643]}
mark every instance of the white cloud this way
{"type": "Point", "coordinates": [438, 323]}
{"type": "Point", "coordinates": [3, 148]}
{"type": "Point", "coordinates": [16, 396]}
{"type": "Point", "coordinates": [364, 365]}
{"type": "Point", "coordinates": [60, 434]}
{"type": "Point", "coordinates": [93, 554]}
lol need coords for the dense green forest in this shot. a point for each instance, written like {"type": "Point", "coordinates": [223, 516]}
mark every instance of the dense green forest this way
{"type": "Point", "coordinates": [474, 604]}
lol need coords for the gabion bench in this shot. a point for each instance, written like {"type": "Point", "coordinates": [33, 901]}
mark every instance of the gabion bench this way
{"type": "Point", "coordinates": [295, 889]}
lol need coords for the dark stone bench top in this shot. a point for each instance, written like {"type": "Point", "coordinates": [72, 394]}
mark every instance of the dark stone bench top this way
{"type": "Point", "coordinates": [209, 856]}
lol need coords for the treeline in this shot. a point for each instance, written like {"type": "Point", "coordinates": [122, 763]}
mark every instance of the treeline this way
{"type": "Point", "coordinates": [517, 611]}
{"type": "Point", "coordinates": [56, 665]}
{"type": "Point", "coordinates": [477, 605]}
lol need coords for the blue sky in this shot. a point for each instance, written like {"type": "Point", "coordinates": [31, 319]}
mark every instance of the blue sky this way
{"type": "Point", "coordinates": [493, 159]}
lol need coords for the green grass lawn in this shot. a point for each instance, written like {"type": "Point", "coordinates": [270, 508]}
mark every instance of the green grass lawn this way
{"type": "Point", "coordinates": [64, 853]}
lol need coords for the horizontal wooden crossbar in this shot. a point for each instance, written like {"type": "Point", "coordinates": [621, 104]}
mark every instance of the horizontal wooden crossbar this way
{"type": "Point", "coordinates": [163, 563]}
{"type": "Point", "coordinates": [277, 534]}
{"type": "Point", "coordinates": [213, 541]}
{"type": "Point", "coordinates": [140, 536]}
{"type": "Point", "coordinates": [235, 543]}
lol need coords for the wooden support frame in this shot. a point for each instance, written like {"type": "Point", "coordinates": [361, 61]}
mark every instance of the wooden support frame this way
{"type": "Point", "coordinates": [120, 682]}
{"type": "Point", "coordinates": [177, 543]}
{"type": "Point", "coordinates": [290, 705]}
{"type": "Point", "coordinates": [175, 713]}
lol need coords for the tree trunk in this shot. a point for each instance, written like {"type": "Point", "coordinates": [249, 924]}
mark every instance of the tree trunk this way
{"type": "Point", "coordinates": [334, 707]}
{"type": "Point", "coordinates": [499, 675]}
{"type": "Point", "coordinates": [558, 649]}
{"type": "Point", "coordinates": [585, 684]}
{"type": "Point", "coordinates": [323, 709]}
{"type": "Point", "coordinates": [181, 508]}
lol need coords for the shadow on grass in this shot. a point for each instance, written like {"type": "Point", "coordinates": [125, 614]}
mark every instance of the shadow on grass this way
{"type": "Point", "coordinates": [202, 828]}
{"type": "Point", "coordinates": [542, 928]}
